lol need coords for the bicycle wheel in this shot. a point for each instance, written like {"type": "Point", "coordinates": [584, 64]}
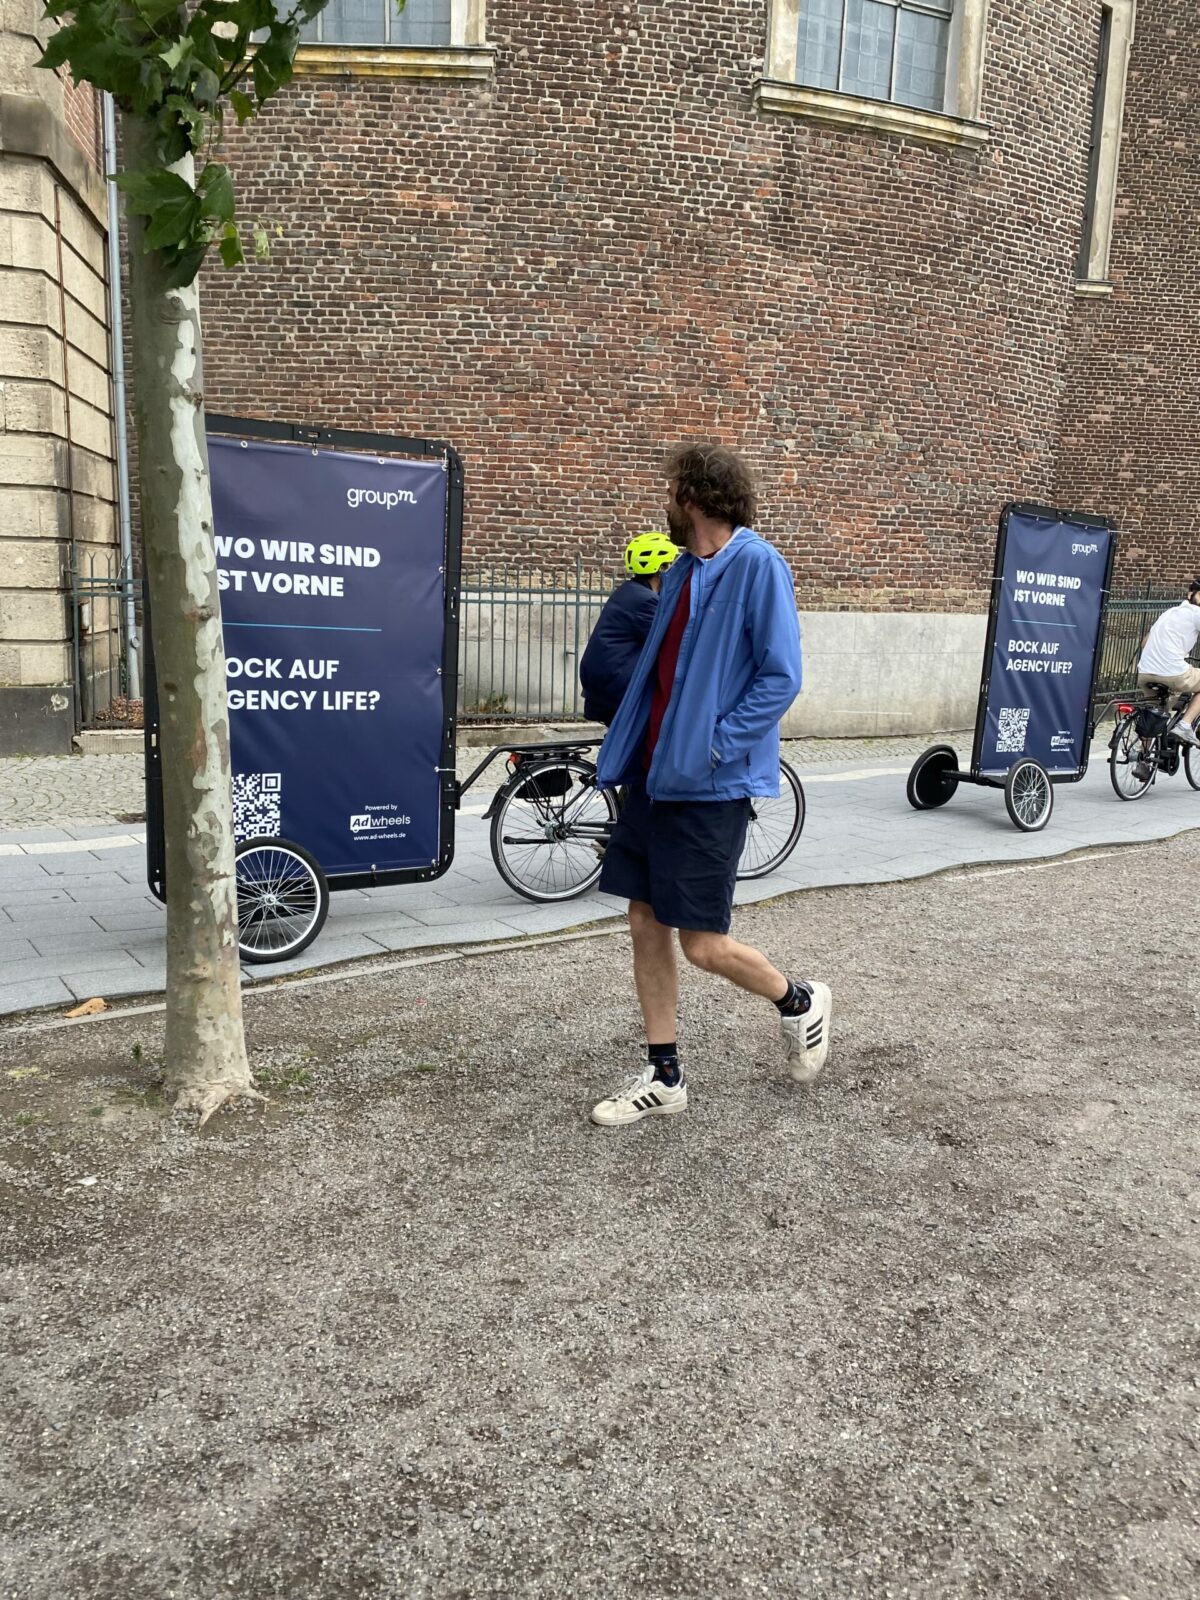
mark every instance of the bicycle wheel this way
{"type": "Point", "coordinates": [549, 831]}
{"type": "Point", "coordinates": [1126, 759]}
{"type": "Point", "coordinates": [774, 829]}
{"type": "Point", "coordinates": [282, 899]}
{"type": "Point", "coordinates": [1029, 795]}
{"type": "Point", "coordinates": [1191, 765]}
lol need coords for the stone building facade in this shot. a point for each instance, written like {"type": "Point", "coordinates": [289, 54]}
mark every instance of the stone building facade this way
{"type": "Point", "coordinates": [57, 481]}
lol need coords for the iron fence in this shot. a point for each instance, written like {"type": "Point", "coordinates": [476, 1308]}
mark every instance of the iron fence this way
{"type": "Point", "coordinates": [521, 634]}
{"type": "Point", "coordinates": [523, 631]}
{"type": "Point", "coordinates": [1125, 625]}
{"type": "Point", "coordinates": [100, 586]}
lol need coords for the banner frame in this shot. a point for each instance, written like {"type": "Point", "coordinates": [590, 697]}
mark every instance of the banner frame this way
{"type": "Point", "coordinates": [1042, 513]}
{"type": "Point", "coordinates": [353, 441]}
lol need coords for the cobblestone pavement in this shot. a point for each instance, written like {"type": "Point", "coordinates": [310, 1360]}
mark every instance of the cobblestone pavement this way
{"type": "Point", "coordinates": [66, 791]}
{"type": "Point", "coordinates": [35, 790]}
{"type": "Point", "coordinates": [38, 791]}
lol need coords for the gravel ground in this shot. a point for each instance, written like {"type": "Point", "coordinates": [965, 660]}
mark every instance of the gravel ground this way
{"type": "Point", "coordinates": [928, 1328]}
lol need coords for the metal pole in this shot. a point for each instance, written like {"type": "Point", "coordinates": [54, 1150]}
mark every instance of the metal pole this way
{"type": "Point", "coordinates": [133, 644]}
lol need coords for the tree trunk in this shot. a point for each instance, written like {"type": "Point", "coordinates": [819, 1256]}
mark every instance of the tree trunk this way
{"type": "Point", "coordinates": [204, 1050]}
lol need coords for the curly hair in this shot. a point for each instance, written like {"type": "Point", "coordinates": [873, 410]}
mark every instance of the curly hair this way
{"type": "Point", "coordinates": [715, 480]}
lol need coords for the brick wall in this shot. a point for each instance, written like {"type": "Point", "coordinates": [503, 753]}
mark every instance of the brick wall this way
{"type": "Point", "coordinates": [1131, 426]}
{"type": "Point", "coordinates": [605, 248]}
{"type": "Point", "coordinates": [81, 114]}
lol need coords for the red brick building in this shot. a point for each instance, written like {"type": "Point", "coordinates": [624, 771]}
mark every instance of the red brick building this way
{"type": "Point", "coordinates": [911, 255]}
{"type": "Point", "coordinates": [1130, 431]}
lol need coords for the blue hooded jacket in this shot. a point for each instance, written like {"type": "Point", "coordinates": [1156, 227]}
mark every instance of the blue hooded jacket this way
{"type": "Point", "coordinates": [738, 672]}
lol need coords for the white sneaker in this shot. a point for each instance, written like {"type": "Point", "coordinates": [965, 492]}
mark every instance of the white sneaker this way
{"type": "Point", "coordinates": [806, 1037]}
{"type": "Point", "coordinates": [645, 1096]}
{"type": "Point", "coordinates": [1185, 733]}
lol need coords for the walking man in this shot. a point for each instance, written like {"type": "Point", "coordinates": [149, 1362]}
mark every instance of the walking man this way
{"type": "Point", "coordinates": [695, 739]}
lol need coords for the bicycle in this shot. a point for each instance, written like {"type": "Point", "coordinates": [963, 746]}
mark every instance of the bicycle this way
{"type": "Point", "coordinates": [550, 822]}
{"type": "Point", "coordinates": [1141, 745]}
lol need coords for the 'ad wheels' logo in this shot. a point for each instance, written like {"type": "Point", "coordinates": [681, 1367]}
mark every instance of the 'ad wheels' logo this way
{"type": "Point", "coordinates": [364, 822]}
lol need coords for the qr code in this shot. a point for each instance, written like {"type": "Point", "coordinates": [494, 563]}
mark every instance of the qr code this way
{"type": "Point", "coordinates": [1010, 735]}
{"type": "Point", "coordinates": [256, 801]}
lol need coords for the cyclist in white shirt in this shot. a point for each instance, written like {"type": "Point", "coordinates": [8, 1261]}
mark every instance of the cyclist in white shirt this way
{"type": "Point", "coordinates": [1165, 652]}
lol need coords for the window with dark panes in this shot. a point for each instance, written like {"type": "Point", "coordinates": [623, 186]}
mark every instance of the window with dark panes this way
{"type": "Point", "coordinates": [879, 49]}
{"type": "Point", "coordinates": [423, 24]}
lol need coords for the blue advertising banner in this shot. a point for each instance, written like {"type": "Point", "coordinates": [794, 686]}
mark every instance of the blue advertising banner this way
{"type": "Point", "coordinates": [332, 575]}
{"type": "Point", "coordinates": [1047, 609]}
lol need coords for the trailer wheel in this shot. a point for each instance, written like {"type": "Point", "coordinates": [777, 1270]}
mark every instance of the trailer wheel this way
{"type": "Point", "coordinates": [282, 899]}
{"type": "Point", "coordinates": [934, 778]}
{"type": "Point", "coordinates": [1029, 795]}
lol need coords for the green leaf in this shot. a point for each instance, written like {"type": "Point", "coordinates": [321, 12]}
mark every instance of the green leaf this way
{"type": "Point", "coordinates": [171, 205]}
{"type": "Point", "coordinates": [146, 189]}
{"type": "Point", "coordinates": [174, 224]}
{"type": "Point", "coordinates": [242, 105]}
{"type": "Point", "coordinates": [273, 59]}
{"type": "Point", "coordinates": [216, 192]}
{"type": "Point", "coordinates": [232, 253]}
{"type": "Point", "coordinates": [148, 91]}
{"type": "Point", "coordinates": [58, 49]}
{"type": "Point", "coordinates": [262, 244]}
{"type": "Point", "coordinates": [182, 266]}
{"type": "Point", "coordinates": [206, 87]}
{"type": "Point", "coordinates": [175, 54]}
{"type": "Point", "coordinates": [152, 12]}
{"type": "Point", "coordinates": [193, 119]}
{"type": "Point", "coordinates": [204, 45]}
{"type": "Point", "coordinates": [229, 47]}
{"type": "Point", "coordinates": [98, 49]}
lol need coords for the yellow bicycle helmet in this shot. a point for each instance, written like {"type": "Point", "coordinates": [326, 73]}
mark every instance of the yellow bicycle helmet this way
{"type": "Point", "coordinates": [649, 553]}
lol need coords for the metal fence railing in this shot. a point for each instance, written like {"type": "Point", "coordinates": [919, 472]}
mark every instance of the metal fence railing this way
{"type": "Point", "coordinates": [1125, 625]}
{"type": "Point", "coordinates": [523, 630]}
{"type": "Point", "coordinates": [100, 587]}
{"type": "Point", "coordinates": [521, 634]}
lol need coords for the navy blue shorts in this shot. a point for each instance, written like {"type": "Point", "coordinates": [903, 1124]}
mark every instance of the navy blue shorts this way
{"type": "Point", "coordinates": [679, 856]}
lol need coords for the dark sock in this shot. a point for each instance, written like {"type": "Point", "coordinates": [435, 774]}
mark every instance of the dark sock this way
{"type": "Point", "coordinates": [664, 1059]}
{"type": "Point", "coordinates": [796, 1001]}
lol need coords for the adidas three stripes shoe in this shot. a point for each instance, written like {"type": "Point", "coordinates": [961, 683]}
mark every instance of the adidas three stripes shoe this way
{"type": "Point", "coordinates": [806, 1037]}
{"type": "Point", "coordinates": [645, 1096]}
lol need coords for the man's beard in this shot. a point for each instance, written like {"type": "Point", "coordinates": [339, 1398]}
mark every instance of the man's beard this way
{"type": "Point", "coordinates": [679, 525]}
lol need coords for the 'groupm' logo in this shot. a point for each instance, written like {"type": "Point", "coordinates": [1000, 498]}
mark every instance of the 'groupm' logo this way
{"type": "Point", "coordinates": [389, 499]}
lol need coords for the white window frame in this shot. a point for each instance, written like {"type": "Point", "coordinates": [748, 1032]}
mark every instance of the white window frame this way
{"type": "Point", "coordinates": [468, 54]}
{"type": "Point", "coordinates": [1098, 219]}
{"type": "Point", "coordinates": [957, 124]}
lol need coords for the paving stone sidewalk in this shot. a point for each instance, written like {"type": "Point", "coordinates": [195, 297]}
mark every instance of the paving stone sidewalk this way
{"type": "Point", "coordinates": [44, 791]}
{"type": "Point", "coordinates": [77, 920]}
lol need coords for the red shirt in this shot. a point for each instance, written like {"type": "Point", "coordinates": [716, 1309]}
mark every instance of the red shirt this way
{"type": "Point", "coordinates": [664, 670]}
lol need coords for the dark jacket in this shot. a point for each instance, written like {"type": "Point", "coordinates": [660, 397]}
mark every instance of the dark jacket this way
{"type": "Point", "coordinates": [614, 647]}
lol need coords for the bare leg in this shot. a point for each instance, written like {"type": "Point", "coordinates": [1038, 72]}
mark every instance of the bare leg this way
{"type": "Point", "coordinates": [654, 972]}
{"type": "Point", "coordinates": [1192, 710]}
{"type": "Point", "coordinates": [740, 963]}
